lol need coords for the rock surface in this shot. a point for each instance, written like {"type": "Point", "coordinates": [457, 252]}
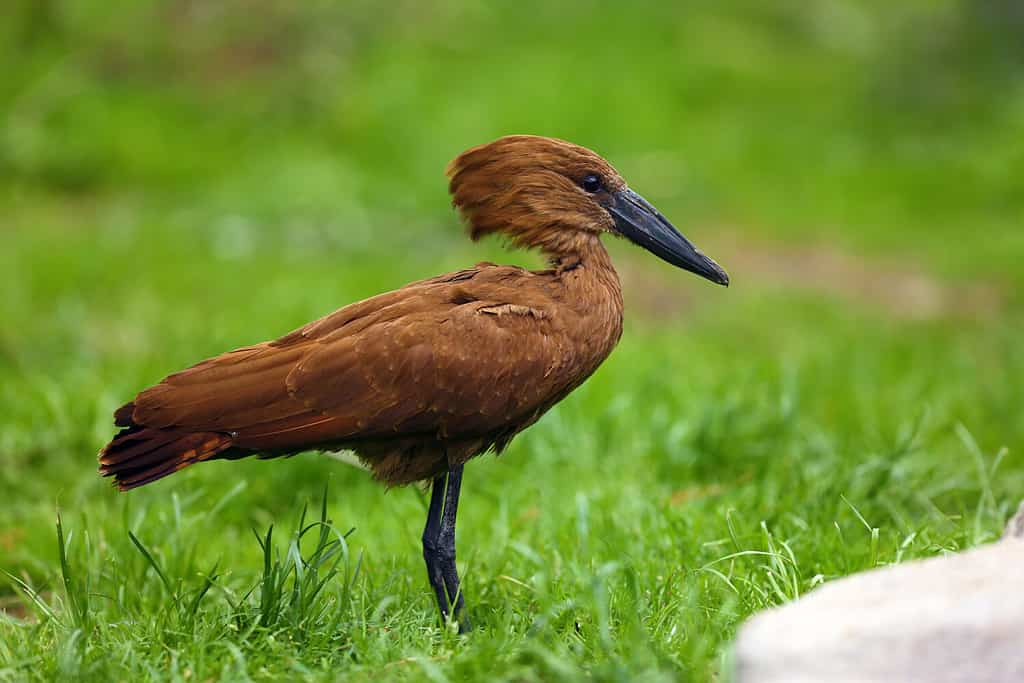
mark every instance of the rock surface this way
{"type": "Point", "coordinates": [1015, 527]}
{"type": "Point", "coordinates": [955, 618]}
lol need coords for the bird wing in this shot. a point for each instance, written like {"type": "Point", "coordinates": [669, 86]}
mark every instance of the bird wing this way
{"type": "Point", "coordinates": [458, 355]}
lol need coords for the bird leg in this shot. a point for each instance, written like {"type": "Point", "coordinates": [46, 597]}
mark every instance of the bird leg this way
{"type": "Point", "coordinates": [439, 545]}
{"type": "Point", "coordinates": [431, 533]}
{"type": "Point", "coordinates": [446, 545]}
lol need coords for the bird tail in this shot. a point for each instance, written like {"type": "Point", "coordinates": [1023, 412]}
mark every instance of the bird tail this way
{"type": "Point", "coordinates": [139, 455]}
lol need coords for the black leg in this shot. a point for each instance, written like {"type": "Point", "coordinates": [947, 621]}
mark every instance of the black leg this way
{"type": "Point", "coordinates": [431, 532]}
{"type": "Point", "coordinates": [446, 546]}
{"type": "Point", "coordinates": [439, 545]}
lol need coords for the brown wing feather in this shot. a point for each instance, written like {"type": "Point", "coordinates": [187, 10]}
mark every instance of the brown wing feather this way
{"type": "Point", "coordinates": [457, 356]}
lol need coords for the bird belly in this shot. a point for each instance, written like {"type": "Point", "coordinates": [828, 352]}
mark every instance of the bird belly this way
{"type": "Point", "coordinates": [397, 462]}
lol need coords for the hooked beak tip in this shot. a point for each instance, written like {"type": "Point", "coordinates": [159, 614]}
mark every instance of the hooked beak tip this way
{"type": "Point", "coordinates": [638, 221]}
{"type": "Point", "coordinates": [720, 277]}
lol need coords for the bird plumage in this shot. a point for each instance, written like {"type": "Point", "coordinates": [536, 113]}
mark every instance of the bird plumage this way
{"type": "Point", "coordinates": [397, 378]}
{"type": "Point", "coordinates": [427, 375]}
{"type": "Point", "coordinates": [419, 380]}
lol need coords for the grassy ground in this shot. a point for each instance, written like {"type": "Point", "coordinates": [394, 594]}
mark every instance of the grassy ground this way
{"type": "Point", "coordinates": [176, 184]}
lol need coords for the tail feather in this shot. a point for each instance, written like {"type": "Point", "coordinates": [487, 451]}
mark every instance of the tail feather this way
{"type": "Point", "coordinates": [139, 455]}
{"type": "Point", "coordinates": [136, 446]}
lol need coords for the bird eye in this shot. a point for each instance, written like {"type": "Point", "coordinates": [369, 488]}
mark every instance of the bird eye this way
{"type": "Point", "coordinates": [591, 183]}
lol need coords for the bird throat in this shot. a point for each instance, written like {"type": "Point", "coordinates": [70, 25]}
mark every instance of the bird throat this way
{"type": "Point", "coordinates": [593, 287]}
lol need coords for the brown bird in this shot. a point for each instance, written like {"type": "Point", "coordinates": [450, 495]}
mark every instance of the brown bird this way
{"type": "Point", "coordinates": [419, 380]}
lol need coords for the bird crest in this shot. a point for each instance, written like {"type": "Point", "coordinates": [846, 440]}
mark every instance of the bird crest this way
{"type": "Point", "coordinates": [534, 191]}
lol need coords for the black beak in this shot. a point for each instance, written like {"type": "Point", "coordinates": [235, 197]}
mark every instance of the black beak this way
{"type": "Point", "coordinates": [640, 223]}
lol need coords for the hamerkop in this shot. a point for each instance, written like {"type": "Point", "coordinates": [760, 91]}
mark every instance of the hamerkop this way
{"type": "Point", "coordinates": [419, 380]}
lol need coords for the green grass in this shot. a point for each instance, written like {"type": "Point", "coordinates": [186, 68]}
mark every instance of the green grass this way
{"type": "Point", "coordinates": [719, 463]}
{"type": "Point", "coordinates": [174, 187]}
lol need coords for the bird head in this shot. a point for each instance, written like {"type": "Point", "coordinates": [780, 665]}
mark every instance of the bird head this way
{"type": "Point", "coordinates": [555, 196]}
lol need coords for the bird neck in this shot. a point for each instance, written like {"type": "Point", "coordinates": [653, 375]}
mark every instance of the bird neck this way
{"type": "Point", "coordinates": [587, 270]}
{"type": "Point", "coordinates": [586, 251]}
{"type": "Point", "coordinates": [589, 287]}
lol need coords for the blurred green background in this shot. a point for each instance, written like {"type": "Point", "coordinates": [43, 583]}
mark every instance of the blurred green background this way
{"type": "Point", "coordinates": [182, 177]}
{"type": "Point", "coordinates": [877, 126]}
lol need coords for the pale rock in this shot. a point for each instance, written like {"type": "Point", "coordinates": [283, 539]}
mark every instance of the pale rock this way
{"type": "Point", "coordinates": [1015, 527]}
{"type": "Point", "coordinates": [957, 618]}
